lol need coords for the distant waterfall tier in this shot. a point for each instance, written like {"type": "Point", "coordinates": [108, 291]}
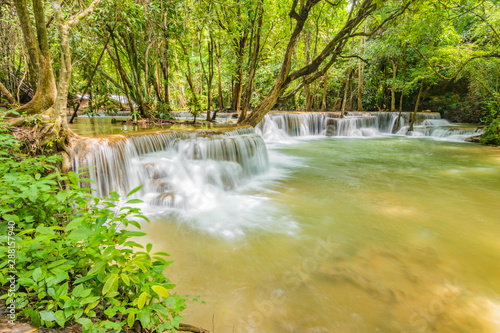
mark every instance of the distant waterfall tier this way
{"type": "Point", "coordinates": [281, 125]}
{"type": "Point", "coordinates": [178, 170]}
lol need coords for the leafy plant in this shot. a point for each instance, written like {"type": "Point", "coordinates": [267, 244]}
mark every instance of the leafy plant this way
{"type": "Point", "coordinates": [491, 135]}
{"type": "Point", "coordinates": [76, 258]}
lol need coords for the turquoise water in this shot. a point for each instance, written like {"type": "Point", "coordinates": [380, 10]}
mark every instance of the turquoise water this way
{"type": "Point", "coordinates": [348, 235]}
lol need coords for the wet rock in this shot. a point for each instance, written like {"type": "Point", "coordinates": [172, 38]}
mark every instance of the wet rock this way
{"type": "Point", "coordinates": [474, 138]}
{"type": "Point", "coordinates": [332, 126]}
{"type": "Point", "coordinates": [161, 186]}
{"type": "Point", "coordinates": [166, 199]}
{"type": "Point", "coordinates": [153, 171]}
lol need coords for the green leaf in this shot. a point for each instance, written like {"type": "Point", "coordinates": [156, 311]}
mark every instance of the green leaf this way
{"type": "Point", "coordinates": [134, 201]}
{"type": "Point", "coordinates": [91, 306]}
{"type": "Point", "coordinates": [149, 247]}
{"type": "Point", "coordinates": [135, 190]}
{"type": "Point", "coordinates": [110, 312]}
{"type": "Point", "coordinates": [160, 291]}
{"type": "Point", "coordinates": [60, 319]}
{"type": "Point", "coordinates": [83, 279]}
{"type": "Point", "coordinates": [142, 300]}
{"type": "Point", "coordinates": [96, 267]}
{"type": "Point", "coordinates": [8, 217]}
{"type": "Point", "coordinates": [61, 291]}
{"type": "Point", "coordinates": [111, 283]}
{"type": "Point", "coordinates": [125, 279]}
{"type": "Point", "coordinates": [131, 320]}
{"type": "Point", "coordinates": [161, 254]}
{"type": "Point", "coordinates": [88, 300]}
{"type": "Point", "coordinates": [37, 274]}
{"type": "Point", "coordinates": [74, 223]}
{"type": "Point", "coordinates": [48, 315]}
{"type": "Point", "coordinates": [77, 292]}
{"type": "Point", "coordinates": [35, 318]}
{"type": "Point", "coordinates": [133, 233]}
{"type": "Point", "coordinates": [86, 323]}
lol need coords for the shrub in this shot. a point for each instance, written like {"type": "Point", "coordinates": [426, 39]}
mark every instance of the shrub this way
{"type": "Point", "coordinates": [491, 134]}
{"type": "Point", "coordinates": [74, 254]}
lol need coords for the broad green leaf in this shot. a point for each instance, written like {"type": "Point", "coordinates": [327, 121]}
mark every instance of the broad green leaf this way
{"type": "Point", "coordinates": [37, 274]}
{"type": "Point", "coordinates": [48, 315]}
{"type": "Point", "coordinates": [111, 283]}
{"type": "Point", "coordinates": [142, 300]}
{"type": "Point", "coordinates": [125, 279]}
{"type": "Point", "coordinates": [160, 291]}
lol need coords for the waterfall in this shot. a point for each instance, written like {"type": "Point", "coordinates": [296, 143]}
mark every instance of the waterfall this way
{"type": "Point", "coordinates": [178, 170]}
{"type": "Point", "coordinates": [281, 126]}
{"type": "Point", "coordinates": [294, 124]}
{"type": "Point", "coordinates": [440, 129]}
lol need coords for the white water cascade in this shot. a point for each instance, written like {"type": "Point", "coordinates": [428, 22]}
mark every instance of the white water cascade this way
{"type": "Point", "coordinates": [178, 170]}
{"type": "Point", "coordinates": [280, 126]}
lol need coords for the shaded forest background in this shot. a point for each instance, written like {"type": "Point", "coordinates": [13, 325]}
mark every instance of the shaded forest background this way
{"type": "Point", "coordinates": [198, 55]}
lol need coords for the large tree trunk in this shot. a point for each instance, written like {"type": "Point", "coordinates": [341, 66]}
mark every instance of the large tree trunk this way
{"type": "Point", "coordinates": [281, 82]}
{"type": "Point", "coordinates": [7, 94]}
{"type": "Point", "coordinates": [38, 50]}
{"type": "Point", "coordinates": [253, 66]}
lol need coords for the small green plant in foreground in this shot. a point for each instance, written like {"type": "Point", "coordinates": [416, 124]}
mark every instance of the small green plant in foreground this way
{"type": "Point", "coordinates": [74, 257]}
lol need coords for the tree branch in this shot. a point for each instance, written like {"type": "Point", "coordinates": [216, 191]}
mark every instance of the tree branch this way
{"type": "Point", "coordinates": [75, 19]}
{"type": "Point", "coordinates": [355, 56]}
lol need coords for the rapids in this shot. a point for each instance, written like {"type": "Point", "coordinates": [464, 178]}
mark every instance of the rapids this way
{"type": "Point", "coordinates": [302, 227]}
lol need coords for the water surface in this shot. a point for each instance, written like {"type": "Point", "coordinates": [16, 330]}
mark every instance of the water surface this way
{"type": "Point", "coordinates": [346, 235]}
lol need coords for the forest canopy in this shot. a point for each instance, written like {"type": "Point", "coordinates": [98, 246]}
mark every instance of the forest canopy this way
{"type": "Point", "coordinates": [254, 55]}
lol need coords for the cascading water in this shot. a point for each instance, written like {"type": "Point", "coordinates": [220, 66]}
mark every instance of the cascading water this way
{"type": "Point", "coordinates": [282, 126]}
{"type": "Point", "coordinates": [178, 170]}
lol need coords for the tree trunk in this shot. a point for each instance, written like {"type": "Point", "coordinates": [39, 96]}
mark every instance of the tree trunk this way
{"type": "Point", "coordinates": [126, 81]}
{"type": "Point", "coordinates": [210, 49]}
{"type": "Point", "coordinates": [393, 88]}
{"type": "Point", "coordinates": [414, 116]}
{"type": "Point", "coordinates": [7, 94]}
{"type": "Point", "coordinates": [307, 88]}
{"type": "Point", "coordinates": [281, 82]}
{"type": "Point", "coordinates": [398, 123]}
{"type": "Point", "coordinates": [325, 82]}
{"type": "Point", "coordinates": [331, 50]}
{"type": "Point", "coordinates": [38, 50]}
{"type": "Point", "coordinates": [90, 81]}
{"type": "Point", "coordinates": [253, 66]}
{"type": "Point", "coordinates": [361, 67]}
{"type": "Point", "coordinates": [238, 85]}
{"type": "Point", "coordinates": [189, 78]}
{"type": "Point", "coordinates": [221, 97]}
{"type": "Point", "coordinates": [347, 82]}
